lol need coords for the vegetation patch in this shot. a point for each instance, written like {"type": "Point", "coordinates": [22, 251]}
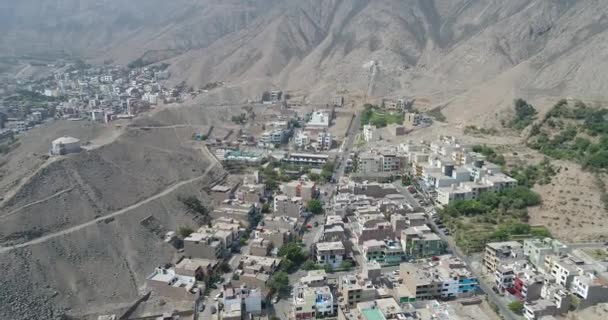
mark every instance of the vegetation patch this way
{"type": "Point", "coordinates": [475, 131]}
{"type": "Point", "coordinates": [375, 116]}
{"type": "Point", "coordinates": [525, 114]}
{"type": "Point", "coordinates": [576, 132]}
{"type": "Point", "coordinates": [437, 114]}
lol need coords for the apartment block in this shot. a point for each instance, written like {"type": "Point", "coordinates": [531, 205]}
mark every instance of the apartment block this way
{"type": "Point", "coordinates": [255, 271]}
{"type": "Point", "coordinates": [421, 242]}
{"type": "Point", "coordinates": [330, 253]}
{"type": "Point", "coordinates": [200, 269]}
{"type": "Point", "coordinates": [536, 250]}
{"type": "Point", "coordinates": [303, 189]}
{"type": "Point", "coordinates": [590, 288]}
{"type": "Point", "coordinates": [446, 278]}
{"type": "Point", "coordinates": [354, 290]}
{"type": "Point", "coordinates": [288, 206]}
{"type": "Point", "coordinates": [239, 301]}
{"type": "Point", "coordinates": [501, 253]}
{"type": "Point", "coordinates": [386, 252]}
{"type": "Point", "coordinates": [313, 303]}
{"type": "Point", "coordinates": [260, 247]}
{"type": "Point", "coordinates": [203, 245]}
{"type": "Point", "coordinates": [371, 227]}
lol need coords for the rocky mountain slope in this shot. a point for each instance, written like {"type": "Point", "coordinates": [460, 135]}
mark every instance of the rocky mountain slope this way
{"type": "Point", "coordinates": [474, 55]}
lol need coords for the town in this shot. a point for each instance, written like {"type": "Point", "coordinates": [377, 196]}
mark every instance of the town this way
{"type": "Point", "coordinates": [327, 211]}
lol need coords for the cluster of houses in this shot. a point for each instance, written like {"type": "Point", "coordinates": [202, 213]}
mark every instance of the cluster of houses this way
{"type": "Point", "coordinates": [548, 276]}
{"type": "Point", "coordinates": [100, 93]}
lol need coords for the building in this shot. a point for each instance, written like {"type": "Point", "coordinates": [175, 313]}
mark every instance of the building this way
{"type": "Point", "coordinates": [276, 237]}
{"type": "Point", "coordinates": [302, 188]}
{"type": "Point", "coordinates": [536, 250]}
{"type": "Point", "coordinates": [255, 271]}
{"type": "Point", "coordinates": [590, 289]}
{"type": "Point", "coordinates": [527, 285]}
{"type": "Point", "coordinates": [338, 101]}
{"type": "Point", "coordinates": [324, 141]}
{"type": "Point", "coordinates": [411, 119]}
{"type": "Point", "coordinates": [288, 206]}
{"type": "Point", "coordinates": [446, 278]}
{"type": "Point", "coordinates": [313, 303]}
{"type": "Point", "coordinates": [65, 145]}
{"type": "Point", "coordinates": [558, 304]}
{"type": "Point", "coordinates": [330, 253]}
{"type": "Point", "coordinates": [319, 119]}
{"type": "Point", "coordinates": [239, 301]}
{"type": "Point", "coordinates": [371, 227]}
{"type": "Point", "coordinates": [314, 278]}
{"type": "Point", "coordinates": [501, 253]}
{"type": "Point", "coordinates": [387, 252]}
{"type": "Point", "coordinates": [203, 245]}
{"type": "Point", "coordinates": [353, 290]}
{"type": "Point", "coordinates": [167, 283]}
{"type": "Point", "coordinates": [309, 159]}
{"type": "Point", "coordinates": [302, 139]}
{"type": "Point", "coordinates": [421, 242]}
{"type": "Point", "coordinates": [200, 269]}
{"type": "Point", "coordinates": [370, 133]}
{"type": "Point", "coordinates": [274, 137]}
{"type": "Point", "coordinates": [260, 247]}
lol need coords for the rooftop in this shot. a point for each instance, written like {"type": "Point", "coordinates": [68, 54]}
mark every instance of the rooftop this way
{"type": "Point", "coordinates": [325, 246]}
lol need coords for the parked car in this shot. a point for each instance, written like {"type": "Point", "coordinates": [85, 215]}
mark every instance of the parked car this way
{"type": "Point", "coordinates": [201, 307]}
{"type": "Point", "coordinates": [217, 296]}
{"type": "Point", "coordinates": [275, 299]}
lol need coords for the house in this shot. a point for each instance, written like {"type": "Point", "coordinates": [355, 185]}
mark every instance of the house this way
{"type": "Point", "coordinates": [369, 133]}
{"type": "Point", "coordinates": [590, 289]}
{"type": "Point", "coordinates": [537, 249]}
{"type": "Point", "coordinates": [330, 253]}
{"type": "Point", "coordinates": [255, 271]}
{"type": "Point", "coordinates": [194, 267]}
{"type": "Point", "coordinates": [536, 310]}
{"type": "Point", "coordinates": [203, 245]}
{"type": "Point", "coordinates": [324, 141]}
{"type": "Point", "coordinates": [167, 283]}
{"type": "Point", "coordinates": [371, 227]}
{"type": "Point", "coordinates": [239, 301]}
{"type": "Point", "coordinates": [314, 278]}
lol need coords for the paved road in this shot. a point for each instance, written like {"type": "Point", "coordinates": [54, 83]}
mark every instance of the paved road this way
{"type": "Point", "coordinates": [352, 132]}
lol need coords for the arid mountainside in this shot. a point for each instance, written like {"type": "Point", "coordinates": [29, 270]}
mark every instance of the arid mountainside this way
{"type": "Point", "coordinates": [72, 238]}
{"type": "Point", "coordinates": [473, 55]}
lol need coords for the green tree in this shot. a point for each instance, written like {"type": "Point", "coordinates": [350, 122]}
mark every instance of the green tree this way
{"type": "Point", "coordinates": [194, 205]}
{"type": "Point", "coordinates": [279, 282]}
{"type": "Point", "coordinates": [185, 231]}
{"type": "Point", "coordinates": [517, 307]}
{"type": "Point", "coordinates": [310, 265]}
{"type": "Point", "coordinates": [293, 252]}
{"type": "Point", "coordinates": [315, 206]}
{"type": "Point", "coordinates": [266, 207]}
{"type": "Point", "coordinates": [328, 268]}
{"type": "Point", "coordinates": [225, 267]}
{"type": "Point", "coordinates": [346, 265]}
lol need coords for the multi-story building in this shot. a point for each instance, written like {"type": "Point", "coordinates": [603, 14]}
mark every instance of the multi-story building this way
{"type": "Point", "coordinates": [371, 227]}
{"type": "Point", "coordinates": [557, 304]}
{"type": "Point", "coordinates": [200, 269]}
{"type": "Point", "coordinates": [501, 253]}
{"type": "Point", "coordinates": [590, 289]}
{"type": "Point", "coordinates": [369, 133]}
{"type": "Point", "coordinates": [302, 139]}
{"type": "Point", "coordinates": [260, 247]}
{"type": "Point", "coordinates": [565, 268]}
{"type": "Point", "coordinates": [203, 245]}
{"type": "Point", "coordinates": [536, 250]}
{"type": "Point", "coordinates": [446, 278]}
{"type": "Point", "coordinates": [353, 290]}
{"type": "Point", "coordinates": [527, 285]}
{"type": "Point", "coordinates": [324, 141]}
{"type": "Point", "coordinates": [387, 252]}
{"type": "Point", "coordinates": [314, 278]}
{"type": "Point", "coordinates": [380, 161]}
{"type": "Point", "coordinates": [310, 159]}
{"type": "Point", "coordinates": [303, 189]}
{"type": "Point", "coordinates": [255, 271]}
{"type": "Point", "coordinates": [276, 237]}
{"type": "Point", "coordinates": [313, 303]}
{"type": "Point", "coordinates": [274, 137]}
{"type": "Point", "coordinates": [421, 242]}
{"type": "Point", "coordinates": [330, 253]}
{"type": "Point", "coordinates": [288, 206]}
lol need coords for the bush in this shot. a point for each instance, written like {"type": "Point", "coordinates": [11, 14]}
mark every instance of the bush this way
{"type": "Point", "coordinates": [184, 232]}
{"type": "Point", "coordinates": [517, 307]}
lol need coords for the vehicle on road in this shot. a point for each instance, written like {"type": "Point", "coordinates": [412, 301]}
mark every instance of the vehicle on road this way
{"type": "Point", "coordinates": [316, 224]}
{"type": "Point", "coordinates": [275, 299]}
{"type": "Point", "coordinates": [217, 296]}
{"type": "Point", "coordinates": [201, 307]}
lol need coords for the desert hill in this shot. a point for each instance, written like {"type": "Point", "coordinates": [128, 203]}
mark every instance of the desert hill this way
{"type": "Point", "coordinates": [74, 226]}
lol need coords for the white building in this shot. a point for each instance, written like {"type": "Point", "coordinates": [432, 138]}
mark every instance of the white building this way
{"type": "Point", "coordinates": [65, 145]}
{"type": "Point", "coordinates": [276, 136]}
{"type": "Point", "coordinates": [324, 141]}
{"type": "Point", "coordinates": [302, 139]}
{"type": "Point", "coordinates": [313, 303]}
{"type": "Point", "coordinates": [319, 119]}
{"type": "Point", "coordinates": [369, 133]}
{"type": "Point", "coordinates": [330, 253]}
